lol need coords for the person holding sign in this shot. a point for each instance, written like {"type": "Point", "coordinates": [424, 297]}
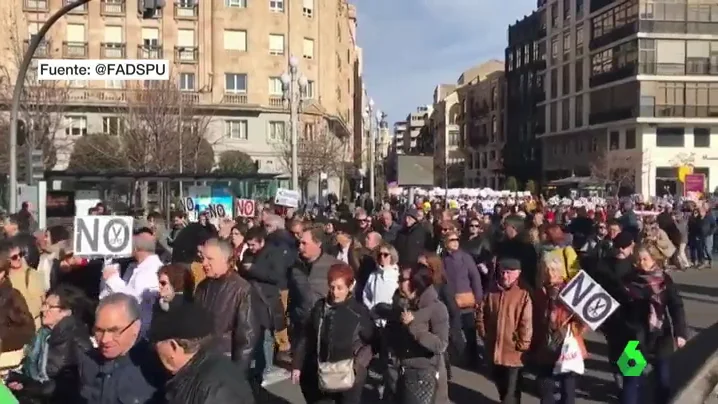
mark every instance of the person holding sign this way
{"type": "Point", "coordinates": [558, 348]}
{"type": "Point", "coordinates": [657, 320]}
{"type": "Point", "coordinates": [506, 315]}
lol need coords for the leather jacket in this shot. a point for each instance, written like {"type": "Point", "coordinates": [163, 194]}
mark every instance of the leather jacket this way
{"type": "Point", "coordinates": [230, 300]}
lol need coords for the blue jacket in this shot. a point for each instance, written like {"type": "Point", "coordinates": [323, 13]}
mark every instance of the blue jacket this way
{"type": "Point", "coordinates": [136, 378]}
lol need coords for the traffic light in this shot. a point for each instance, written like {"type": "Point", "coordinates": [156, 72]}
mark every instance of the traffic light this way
{"type": "Point", "coordinates": [21, 132]}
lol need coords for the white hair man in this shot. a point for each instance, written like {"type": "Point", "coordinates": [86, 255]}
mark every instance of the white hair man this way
{"type": "Point", "coordinates": [140, 279]}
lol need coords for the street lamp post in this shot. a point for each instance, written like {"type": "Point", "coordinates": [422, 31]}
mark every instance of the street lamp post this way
{"type": "Point", "coordinates": [369, 115]}
{"type": "Point", "coordinates": [17, 94]}
{"type": "Point", "coordinates": [294, 87]}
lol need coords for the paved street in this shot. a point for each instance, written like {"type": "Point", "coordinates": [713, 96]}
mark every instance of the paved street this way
{"type": "Point", "coordinates": [700, 293]}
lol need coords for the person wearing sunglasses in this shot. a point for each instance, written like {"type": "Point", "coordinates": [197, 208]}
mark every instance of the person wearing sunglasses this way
{"type": "Point", "coordinates": [25, 279]}
{"type": "Point", "coordinates": [176, 288]}
{"type": "Point", "coordinates": [124, 367]}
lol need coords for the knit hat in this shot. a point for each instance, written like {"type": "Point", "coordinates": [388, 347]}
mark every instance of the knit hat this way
{"type": "Point", "coordinates": [412, 212]}
{"type": "Point", "coordinates": [187, 321]}
{"type": "Point", "coordinates": [510, 264]}
{"type": "Point", "coordinates": [623, 240]}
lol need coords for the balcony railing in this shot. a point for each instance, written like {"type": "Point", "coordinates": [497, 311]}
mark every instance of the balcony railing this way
{"type": "Point", "coordinates": [613, 75]}
{"type": "Point", "coordinates": [113, 7]}
{"type": "Point", "coordinates": [185, 54]}
{"type": "Point", "coordinates": [691, 68]}
{"type": "Point", "coordinates": [679, 111]}
{"type": "Point", "coordinates": [679, 27]}
{"type": "Point", "coordinates": [43, 49]}
{"type": "Point", "coordinates": [149, 52]}
{"type": "Point", "coordinates": [617, 114]}
{"type": "Point", "coordinates": [276, 101]}
{"type": "Point", "coordinates": [613, 36]}
{"type": "Point", "coordinates": [191, 97]}
{"type": "Point", "coordinates": [186, 11]}
{"type": "Point", "coordinates": [113, 50]}
{"type": "Point", "coordinates": [77, 10]}
{"type": "Point", "coordinates": [74, 50]}
{"type": "Point", "coordinates": [35, 5]}
{"type": "Point", "coordinates": [234, 98]}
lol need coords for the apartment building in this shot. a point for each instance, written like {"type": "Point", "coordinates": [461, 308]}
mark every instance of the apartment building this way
{"type": "Point", "coordinates": [481, 123]}
{"type": "Point", "coordinates": [632, 81]}
{"type": "Point", "coordinates": [524, 89]}
{"type": "Point", "coordinates": [400, 129]}
{"type": "Point", "coordinates": [443, 137]}
{"type": "Point", "coordinates": [228, 56]}
{"type": "Point", "coordinates": [415, 122]}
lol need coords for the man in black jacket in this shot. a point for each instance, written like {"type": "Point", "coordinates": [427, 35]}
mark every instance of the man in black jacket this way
{"type": "Point", "coordinates": [265, 274]}
{"type": "Point", "coordinates": [412, 240]}
{"type": "Point", "coordinates": [201, 375]}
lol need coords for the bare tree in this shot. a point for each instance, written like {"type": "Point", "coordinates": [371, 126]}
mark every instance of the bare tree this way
{"type": "Point", "coordinates": [318, 151]}
{"type": "Point", "coordinates": [616, 170]}
{"type": "Point", "coordinates": [155, 123]}
{"type": "Point", "coordinates": [43, 102]}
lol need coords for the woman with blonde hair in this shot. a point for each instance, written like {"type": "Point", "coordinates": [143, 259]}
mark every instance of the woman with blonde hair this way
{"type": "Point", "coordinates": [383, 282]}
{"type": "Point", "coordinates": [555, 326]}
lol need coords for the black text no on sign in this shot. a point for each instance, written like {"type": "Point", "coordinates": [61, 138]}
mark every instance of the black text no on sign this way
{"type": "Point", "coordinates": [245, 207]}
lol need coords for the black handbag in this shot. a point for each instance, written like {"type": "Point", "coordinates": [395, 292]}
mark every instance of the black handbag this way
{"type": "Point", "coordinates": [417, 386]}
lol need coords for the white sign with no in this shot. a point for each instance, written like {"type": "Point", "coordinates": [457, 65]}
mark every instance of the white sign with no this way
{"type": "Point", "coordinates": [588, 300]}
{"type": "Point", "coordinates": [107, 236]}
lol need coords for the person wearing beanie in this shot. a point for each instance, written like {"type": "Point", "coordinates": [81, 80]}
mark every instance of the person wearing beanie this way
{"type": "Point", "coordinates": [200, 374]}
{"type": "Point", "coordinates": [506, 314]}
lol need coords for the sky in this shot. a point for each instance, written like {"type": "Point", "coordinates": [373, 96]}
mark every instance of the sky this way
{"type": "Point", "coordinates": [410, 46]}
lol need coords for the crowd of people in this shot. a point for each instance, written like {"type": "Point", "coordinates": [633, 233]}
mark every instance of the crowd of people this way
{"type": "Point", "coordinates": [214, 313]}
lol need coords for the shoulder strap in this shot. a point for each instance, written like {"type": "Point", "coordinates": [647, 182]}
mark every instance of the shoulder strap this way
{"type": "Point", "coordinates": [27, 278]}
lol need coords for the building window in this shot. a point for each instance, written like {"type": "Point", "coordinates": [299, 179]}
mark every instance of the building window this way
{"type": "Point", "coordinates": [578, 111]}
{"type": "Point", "coordinates": [594, 144]}
{"type": "Point", "coordinates": [554, 49]}
{"type": "Point", "coordinates": [701, 137]}
{"type": "Point", "coordinates": [309, 91]}
{"type": "Point", "coordinates": [566, 79]}
{"type": "Point", "coordinates": [277, 130]}
{"type": "Point", "coordinates": [553, 121]}
{"type": "Point", "coordinates": [309, 131]}
{"type": "Point", "coordinates": [670, 137]}
{"type": "Point", "coordinates": [308, 48]}
{"type": "Point", "coordinates": [235, 83]}
{"type": "Point", "coordinates": [630, 139]}
{"type": "Point", "coordinates": [308, 8]}
{"type": "Point", "coordinates": [494, 125]}
{"type": "Point", "coordinates": [236, 129]}
{"type": "Point", "coordinates": [236, 3]}
{"type": "Point", "coordinates": [276, 87]}
{"type": "Point", "coordinates": [554, 83]}
{"type": "Point", "coordinates": [111, 125]}
{"type": "Point", "coordinates": [276, 6]}
{"type": "Point", "coordinates": [567, 9]}
{"type": "Point", "coordinates": [276, 44]}
{"type": "Point", "coordinates": [565, 114]}
{"type": "Point", "coordinates": [578, 77]}
{"type": "Point", "coordinates": [76, 125]}
{"type": "Point", "coordinates": [114, 84]}
{"type": "Point", "coordinates": [186, 82]}
{"type": "Point", "coordinates": [614, 141]}
{"type": "Point", "coordinates": [235, 40]}
{"type": "Point", "coordinates": [566, 45]}
{"type": "Point", "coordinates": [579, 40]}
{"type": "Point", "coordinates": [579, 9]}
{"type": "Point", "coordinates": [554, 15]}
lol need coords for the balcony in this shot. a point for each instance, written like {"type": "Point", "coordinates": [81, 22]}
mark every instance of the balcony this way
{"type": "Point", "coordinates": [149, 51]}
{"type": "Point", "coordinates": [185, 10]}
{"type": "Point", "coordinates": [113, 7]}
{"type": "Point", "coordinates": [113, 50]}
{"type": "Point", "coordinates": [613, 36]}
{"type": "Point", "coordinates": [618, 114]}
{"type": "Point", "coordinates": [276, 101]}
{"type": "Point", "coordinates": [679, 27]}
{"type": "Point", "coordinates": [43, 49]}
{"type": "Point", "coordinates": [35, 5]}
{"type": "Point", "coordinates": [186, 54]}
{"type": "Point", "coordinates": [77, 10]}
{"type": "Point", "coordinates": [234, 99]}
{"type": "Point", "coordinates": [74, 50]}
{"type": "Point", "coordinates": [599, 4]}
{"type": "Point", "coordinates": [702, 67]}
{"type": "Point", "coordinates": [679, 111]}
{"type": "Point", "coordinates": [190, 96]}
{"type": "Point", "coordinates": [613, 75]}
